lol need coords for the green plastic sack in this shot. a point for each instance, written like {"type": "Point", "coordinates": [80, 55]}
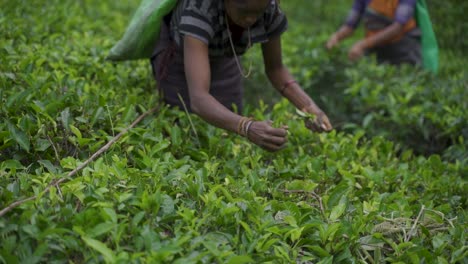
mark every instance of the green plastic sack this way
{"type": "Point", "coordinates": [430, 50]}
{"type": "Point", "coordinates": [142, 32]}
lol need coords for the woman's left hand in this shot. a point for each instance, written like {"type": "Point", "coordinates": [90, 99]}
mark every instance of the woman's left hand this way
{"type": "Point", "coordinates": [357, 51]}
{"type": "Point", "coordinates": [321, 123]}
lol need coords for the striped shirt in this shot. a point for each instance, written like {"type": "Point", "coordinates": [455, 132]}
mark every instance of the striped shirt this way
{"type": "Point", "coordinates": [206, 21]}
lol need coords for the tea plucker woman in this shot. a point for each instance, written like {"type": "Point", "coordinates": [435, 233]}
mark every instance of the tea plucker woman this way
{"type": "Point", "coordinates": [197, 57]}
{"type": "Point", "coordinates": [391, 31]}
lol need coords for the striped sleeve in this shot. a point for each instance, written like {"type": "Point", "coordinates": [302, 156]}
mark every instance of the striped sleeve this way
{"type": "Point", "coordinates": [405, 11]}
{"type": "Point", "coordinates": [356, 12]}
{"type": "Point", "coordinates": [277, 23]}
{"type": "Point", "coordinates": [197, 19]}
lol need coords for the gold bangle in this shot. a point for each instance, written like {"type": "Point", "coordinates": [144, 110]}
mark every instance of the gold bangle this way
{"type": "Point", "coordinates": [239, 125]}
{"type": "Point", "coordinates": [246, 125]}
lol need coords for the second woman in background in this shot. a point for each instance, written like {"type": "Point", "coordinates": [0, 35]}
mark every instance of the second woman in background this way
{"type": "Point", "coordinates": [390, 28]}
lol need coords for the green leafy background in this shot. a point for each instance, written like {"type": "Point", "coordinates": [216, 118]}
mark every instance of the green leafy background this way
{"type": "Point", "coordinates": [388, 185]}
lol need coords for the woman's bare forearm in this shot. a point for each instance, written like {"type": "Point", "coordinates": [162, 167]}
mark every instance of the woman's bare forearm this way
{"type": "Point", "coordinates": [213, 112]}
{"type": "Point", "coordinates": [285, 83]}
{"type": "Point", "coordinates": [344, 32]}
{"type": "Point", "coordinates": [383, 36]}
{"type": "Point", "coordinates": [197, 72]}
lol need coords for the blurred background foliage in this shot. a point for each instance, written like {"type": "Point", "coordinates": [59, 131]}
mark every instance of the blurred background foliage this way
{"type": "Point", "coordinates": [333, 81]}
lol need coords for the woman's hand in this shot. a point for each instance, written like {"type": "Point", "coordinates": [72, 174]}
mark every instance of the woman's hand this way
{"type": "Point", "coordinates": [264, 135]}
{"type": "Point", "coordinates": [321, 123]}
{"type": "Point", "coordinates": [332, 41]}
{"type": "Point", "coordinates": [357, 51]}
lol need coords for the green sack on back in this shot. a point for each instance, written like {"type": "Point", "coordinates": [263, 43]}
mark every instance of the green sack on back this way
{"type": "Point", "coordinates": [430, 50]}
{"type": "Point", "coordinates": [143, 31]}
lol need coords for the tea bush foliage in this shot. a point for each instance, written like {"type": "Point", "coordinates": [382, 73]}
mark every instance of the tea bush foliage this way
{"type": "Point", "coordinates": [389, 185]}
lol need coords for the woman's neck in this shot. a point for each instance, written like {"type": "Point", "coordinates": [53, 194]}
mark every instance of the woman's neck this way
{"type": "Point", "coordinates": [236, 31]}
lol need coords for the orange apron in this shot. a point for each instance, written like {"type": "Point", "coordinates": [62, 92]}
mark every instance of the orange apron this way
{"type": "Point", "coordinates": [385, 10]}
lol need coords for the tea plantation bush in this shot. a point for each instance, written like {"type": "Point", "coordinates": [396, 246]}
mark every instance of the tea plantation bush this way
{"type": "Point", "coordinates": [177, 190]}
{"type": "Point", "coordinates": [425, 113]}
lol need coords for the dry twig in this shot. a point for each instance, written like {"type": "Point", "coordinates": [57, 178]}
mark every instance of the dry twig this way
{"type": "Point", "coordinates": [410, 233]}
{"type": "Point", "coordinates": [311, 193]}
{"type": "Point", "coordinates": [93, 157]}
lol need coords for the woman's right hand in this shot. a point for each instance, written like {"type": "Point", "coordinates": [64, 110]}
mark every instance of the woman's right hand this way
{"type": "Point", "coordinates": [263, 134]}
{"type": "Point", "coordinates": [332, 41]}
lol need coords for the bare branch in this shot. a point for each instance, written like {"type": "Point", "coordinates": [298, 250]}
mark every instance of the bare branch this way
{"type": "Point", "coordinates": [311, 193]}
{"type": "Point", "coordinates": [93, 157]}
{"type": "Point", "coordinates": [411, 232]}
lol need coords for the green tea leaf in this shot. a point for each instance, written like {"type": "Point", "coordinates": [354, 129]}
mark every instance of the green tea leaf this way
{"type": "Point", "coordinates": [76, 132]}
{"type": "Point", "coordinates": [240, 260]}
{"type": "Point", "coordinates": [50, 167]}
{"type": "Point", "coordinates": [101, 248]}
{"type": "Point", "coordinates": [11, 164]}
{"type": "Point", "coordinates": [338, 211]}
{"type": "Point", "coordinates": [19, 136]}
{"type": "Point", "coordinates": [100, 229]}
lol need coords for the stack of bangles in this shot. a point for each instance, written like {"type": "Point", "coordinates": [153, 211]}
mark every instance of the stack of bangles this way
{"type": "Point", "coordinates": [244, 126]}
